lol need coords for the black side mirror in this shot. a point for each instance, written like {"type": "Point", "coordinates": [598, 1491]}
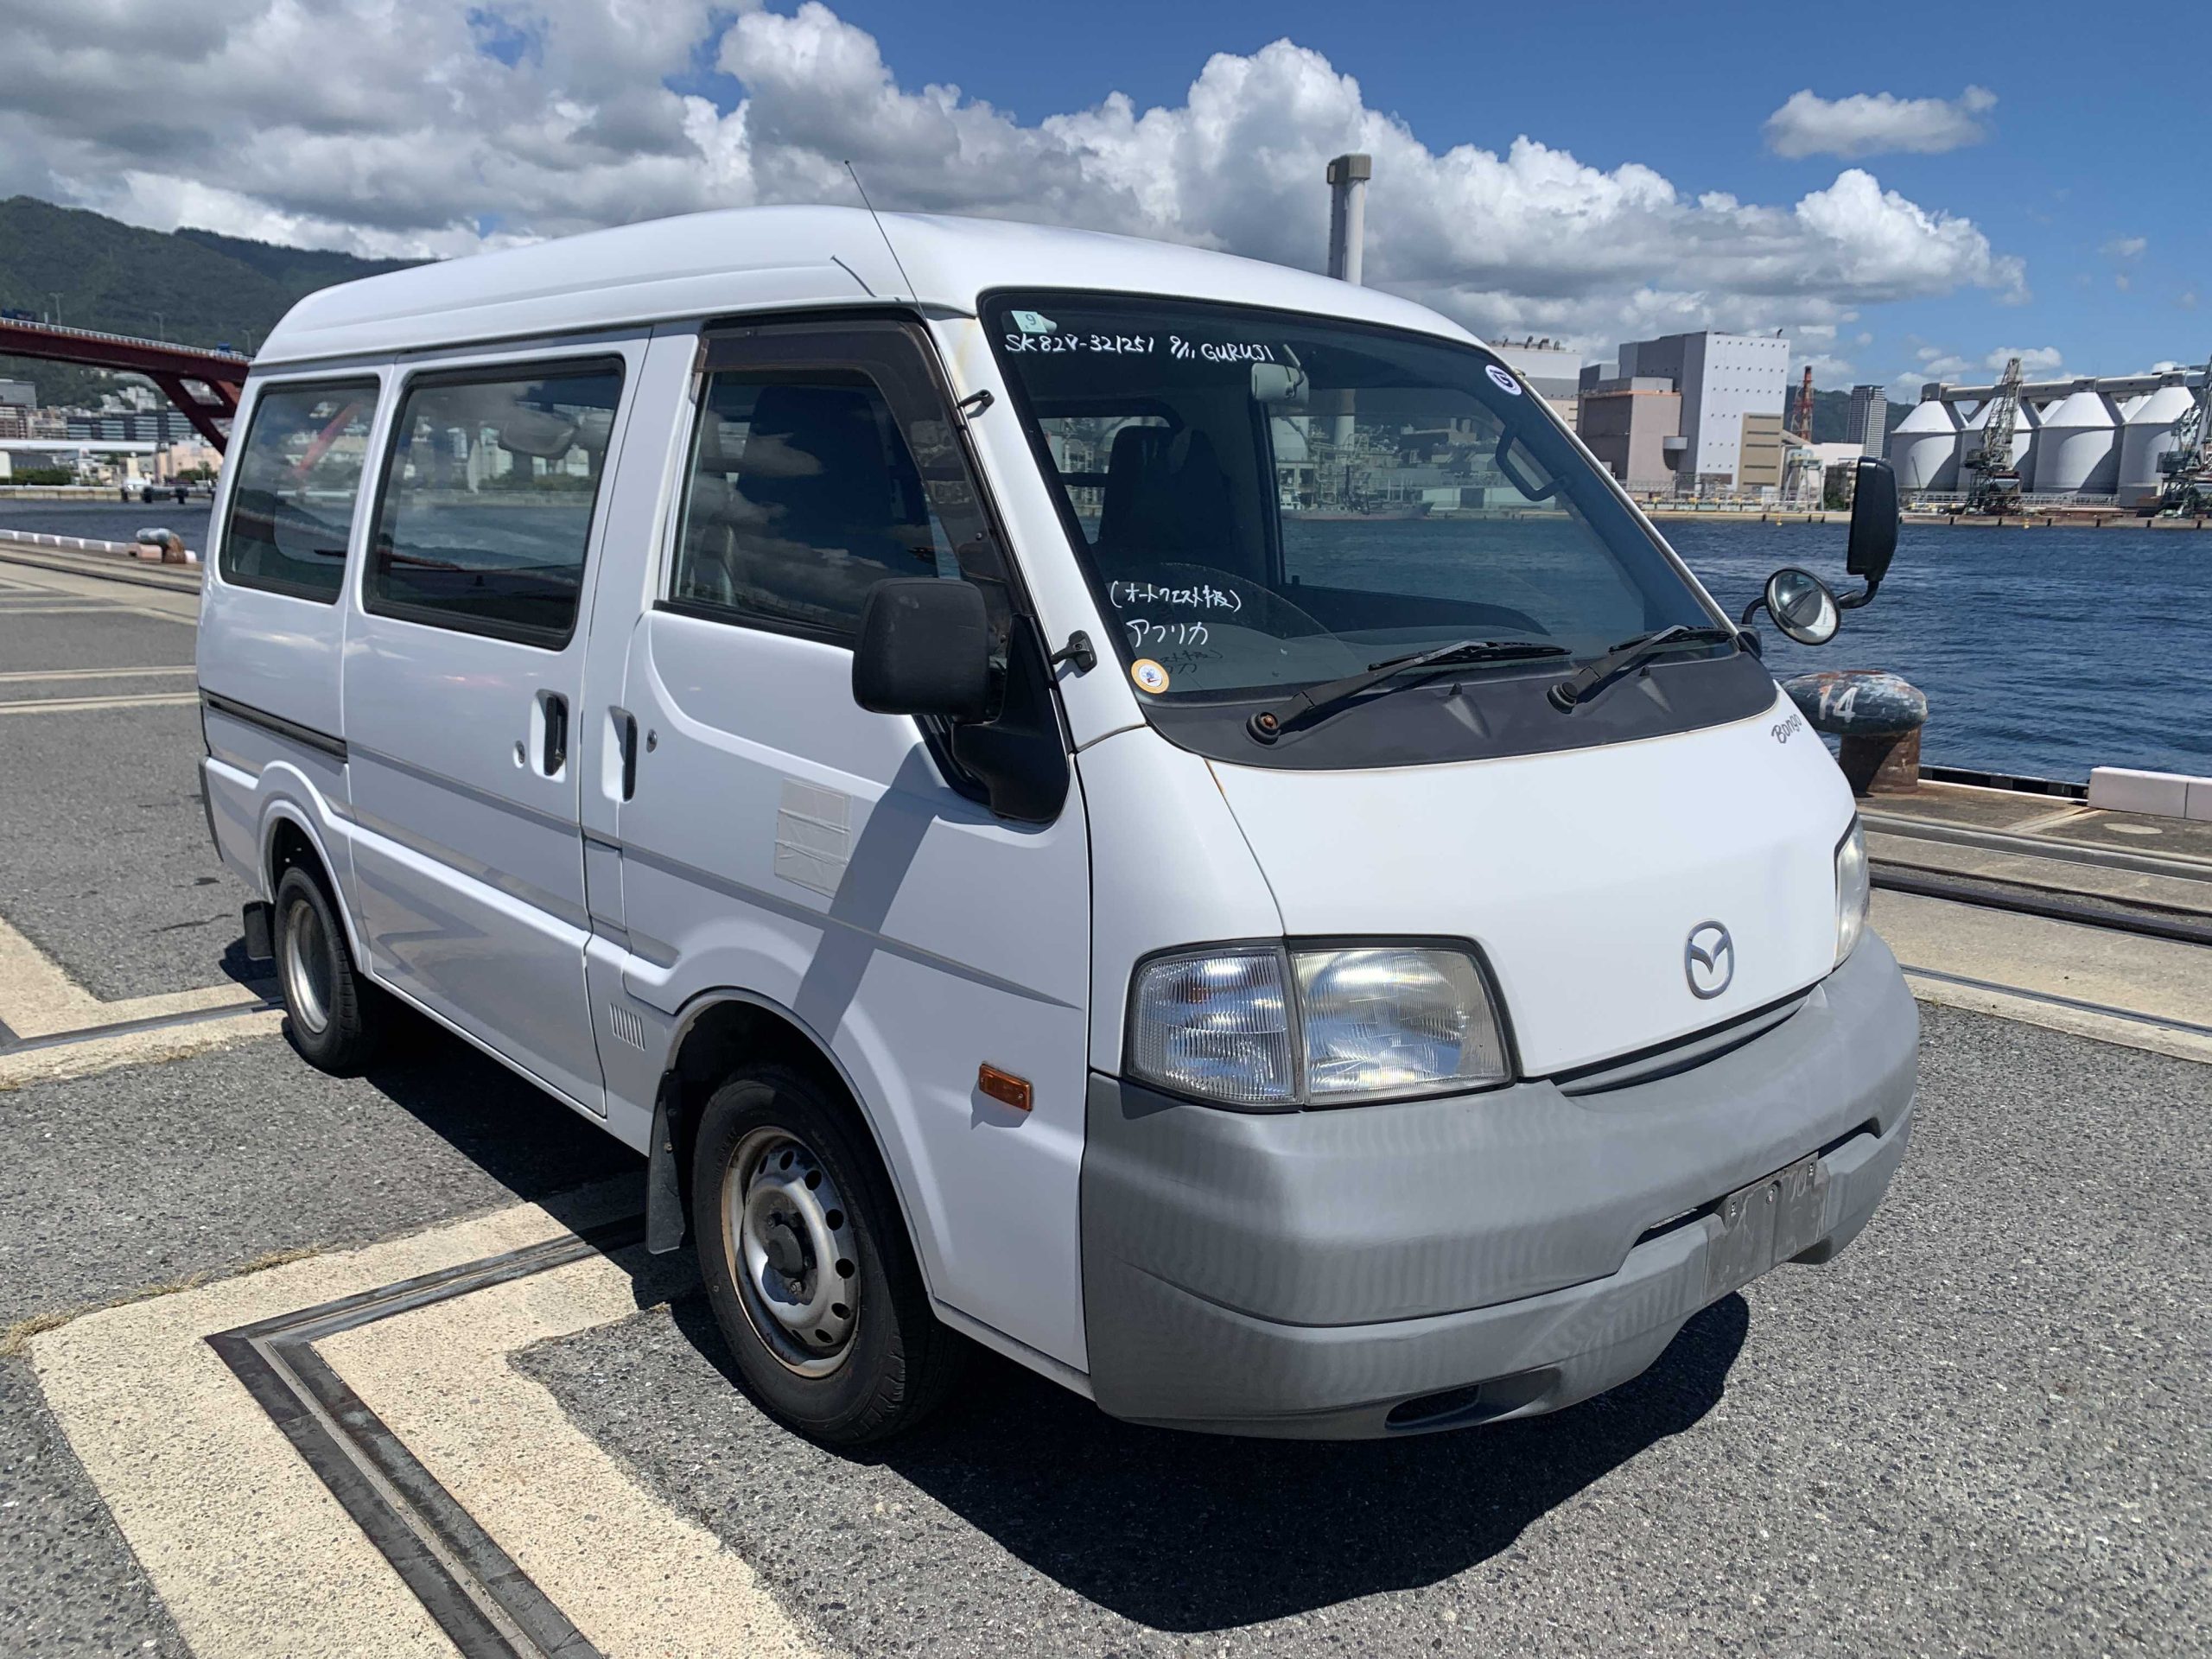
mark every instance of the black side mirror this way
{"type": "Point", "coordinates": [1873, 527]}
{"type": "Point", "coordinates": [925, 648]}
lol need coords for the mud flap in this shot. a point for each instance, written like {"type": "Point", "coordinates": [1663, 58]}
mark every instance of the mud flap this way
{"type": "Point", "coordinates": [260, 932]}
{"type": "Point", "coordinates": [664, 1175]}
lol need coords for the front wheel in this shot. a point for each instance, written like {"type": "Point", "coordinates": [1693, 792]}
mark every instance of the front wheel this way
{"type": "Point", "coordinates": [807, 1264]}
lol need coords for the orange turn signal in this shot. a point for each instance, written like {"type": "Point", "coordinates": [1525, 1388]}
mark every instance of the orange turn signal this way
{"type": "Point", "coordinates": [1003, 1087]}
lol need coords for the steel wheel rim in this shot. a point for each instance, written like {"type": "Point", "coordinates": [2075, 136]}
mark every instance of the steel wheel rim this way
{"type": "Point", "coordinates": [306, 966]}
{"type": "Point", "coordinates": [787, 1236]}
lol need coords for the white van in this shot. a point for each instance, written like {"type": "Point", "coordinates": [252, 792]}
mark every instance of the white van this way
{"type": "Point", "coordinates": [1150, 812]}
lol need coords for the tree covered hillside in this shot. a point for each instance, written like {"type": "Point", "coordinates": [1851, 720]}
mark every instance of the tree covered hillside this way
{"type": "Point", "coordinates": [194, 287]}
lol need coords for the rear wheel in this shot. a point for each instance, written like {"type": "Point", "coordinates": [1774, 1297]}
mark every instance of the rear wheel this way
{"type": "Point", "coordinates": [807, 1264]}
{"type": "Point", "coordinates": [334, 1011]}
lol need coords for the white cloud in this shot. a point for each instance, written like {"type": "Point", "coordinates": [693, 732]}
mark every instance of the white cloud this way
{"type": "Point", "coordinates": [441, 127]}
{"type": "Point", "coordinates": [2126, 247]}
{"type": "Point", "coordinates": [2037, 362]}
{"type": "Point", "coordinates": [1874, 124]}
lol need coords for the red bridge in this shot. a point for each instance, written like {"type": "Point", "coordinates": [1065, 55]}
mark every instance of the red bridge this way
{"type": "Point", "coordinates": [203, 385]}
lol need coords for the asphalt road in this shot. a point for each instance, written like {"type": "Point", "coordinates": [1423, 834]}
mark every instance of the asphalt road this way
{"type": "Point", "coordinates": [1983, 1430]}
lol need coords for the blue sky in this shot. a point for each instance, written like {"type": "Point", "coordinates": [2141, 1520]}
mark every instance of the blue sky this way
{"type": "Point", "coordinates": [2082, 156]}
{"type": "Point", "coordinates": [1953, 182]}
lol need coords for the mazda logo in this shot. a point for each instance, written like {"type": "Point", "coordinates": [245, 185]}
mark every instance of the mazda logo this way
{"type": "Point", "coordinates": [1709, 960]}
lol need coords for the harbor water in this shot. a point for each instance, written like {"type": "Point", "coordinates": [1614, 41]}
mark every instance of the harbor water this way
{"type": "Point", "coordinates": [2044, 653]}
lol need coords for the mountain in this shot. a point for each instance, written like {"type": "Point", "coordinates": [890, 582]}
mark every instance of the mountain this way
{"type": "Point", "coordinates": [1832, 412]}
{"type": "Point", "coordinates": [191, 286]}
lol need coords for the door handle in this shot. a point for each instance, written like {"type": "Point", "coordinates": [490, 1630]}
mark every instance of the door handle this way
{"type": "Point", "coordinates": [629, 756]}
{"type": "Point", "coordinates": [557, 731]}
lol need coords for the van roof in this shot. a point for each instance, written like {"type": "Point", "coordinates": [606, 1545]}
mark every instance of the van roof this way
{"type": "Point", "coordinates": [752, 258]}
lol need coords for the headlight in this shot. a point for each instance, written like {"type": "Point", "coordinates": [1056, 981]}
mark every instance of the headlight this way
{"type": "Point", "coordinates": [1372, 1022]}
{"type": "Point", "coordinates": [1850, 885]}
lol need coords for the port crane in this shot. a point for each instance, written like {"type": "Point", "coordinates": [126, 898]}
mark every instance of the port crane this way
{"type": "Point", "coordinates": [2186, 482]}
{"type": "Point", "coordinates": [1801, 484]}
{"type": "Point", "coordinates": [1997, 480]}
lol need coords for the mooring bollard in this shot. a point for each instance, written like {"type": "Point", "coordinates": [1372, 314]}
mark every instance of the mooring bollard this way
{"type": "Point", "coordinates": [165, 545]}
{"type": "Point", "coordinates": [1878, 716]}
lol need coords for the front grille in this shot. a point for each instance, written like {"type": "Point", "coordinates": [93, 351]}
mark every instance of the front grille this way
{"type": "Point", "coordinates": [1682, 1054]}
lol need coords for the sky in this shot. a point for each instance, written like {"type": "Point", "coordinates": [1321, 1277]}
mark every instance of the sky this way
{"type": "Point", "coordinates": [1909, 193]}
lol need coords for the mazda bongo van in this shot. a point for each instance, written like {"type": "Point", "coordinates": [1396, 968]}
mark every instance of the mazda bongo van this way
{"type": "Point", "coordinates": [1149, 811]}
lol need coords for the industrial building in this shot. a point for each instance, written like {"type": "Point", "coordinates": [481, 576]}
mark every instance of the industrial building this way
{"type": "Point", "coordinates": [1553, 372]}
{"type": "Point", "coordinates": [1630, 425]}
{"type": "Point", "coordinates": [1727, 392]}
{"type": "Point", "coordinates": [2095, 440]}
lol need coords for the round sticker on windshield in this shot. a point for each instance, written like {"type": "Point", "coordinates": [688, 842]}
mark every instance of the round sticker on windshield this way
{"type": "Point", "coordinates": [1148, 674]}
{"type": "Point", "coordinates": [1504, 379]}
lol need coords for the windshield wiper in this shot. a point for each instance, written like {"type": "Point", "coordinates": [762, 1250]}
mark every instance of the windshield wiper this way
{"type": "Point", "coordinates": [1271, 723]}
{"type": "Point", "coordinates": [1625, 658]}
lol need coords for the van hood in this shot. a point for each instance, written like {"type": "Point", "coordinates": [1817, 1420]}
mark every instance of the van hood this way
{"type": "Point", "coordinates": [1581, 873]}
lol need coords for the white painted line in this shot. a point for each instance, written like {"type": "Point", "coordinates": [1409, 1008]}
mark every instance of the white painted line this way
{"type": "Point", "coordinates": [38, 998]}
{"type": "Point", "coordinates": [639, 1579]}
{"type": "Point", "coordinates": [2090, 982]}
{"type": "Point", "coordinates": [78, 705]}
{"type": "Point", "coordinates": [98, 1054]}
{"type": "Point", "coordinates": [2029, 1009]}
{"type": "Point", "coordinates": [249, 1551]}
{"type": "Point", "coordinates": [17, 676]}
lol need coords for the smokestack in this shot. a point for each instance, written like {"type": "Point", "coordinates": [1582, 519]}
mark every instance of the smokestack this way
{"type": "Point", "coordinates": [1348, 176]}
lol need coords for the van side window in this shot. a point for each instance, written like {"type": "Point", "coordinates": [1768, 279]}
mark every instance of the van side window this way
{"type": "Point", "coordinates": [803, 494]}
{"type": "Point", "coordinates": [292, 508]}
{"type": "Point", "coordinates": [485, 509]}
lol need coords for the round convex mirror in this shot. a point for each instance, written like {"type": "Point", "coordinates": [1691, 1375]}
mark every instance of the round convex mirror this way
{"type": "Point", "coordinates": [1801, 605]}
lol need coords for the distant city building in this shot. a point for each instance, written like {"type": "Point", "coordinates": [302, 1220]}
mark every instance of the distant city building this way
{"type": "Point", "coordinates": [1867, 425]}
{"type": "Point", "coordinates": [21, 394]}
{"type": "Point", "coordinates": [1632, 426]}
{"type": "Point", "coordinates": [149, 426]}
{"type": "Point", "coordinates": [188, 459]}
{"type": "Point", "coordinates": [129, 398]}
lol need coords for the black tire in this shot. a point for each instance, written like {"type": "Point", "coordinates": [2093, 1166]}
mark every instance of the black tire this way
{"type": "Point", "coordinates": [335, 1017]}
{"type": "Point", "coordinates": [879, 1361]}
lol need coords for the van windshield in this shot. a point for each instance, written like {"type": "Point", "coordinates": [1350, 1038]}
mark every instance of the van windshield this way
{"type": "Point", "coordinates": [1266, 500]}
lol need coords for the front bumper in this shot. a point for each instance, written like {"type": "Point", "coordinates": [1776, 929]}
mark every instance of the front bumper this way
{"type": "Point", "coordinates": [1304, 1273]}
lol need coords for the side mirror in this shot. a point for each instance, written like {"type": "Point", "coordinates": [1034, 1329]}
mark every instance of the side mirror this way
{"type": "Point", "coordinates": [925, 648]}
{"type": "Point", "coordinates": [1873, 527]}
{"type": "Point", "coordinates": [1803, 606]}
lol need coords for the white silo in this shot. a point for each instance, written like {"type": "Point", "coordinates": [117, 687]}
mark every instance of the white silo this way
{"type": "Point", "coordinates": [1924, 448]}
{"type": "Point", "coordinates": [2147, 432]}
{"type": "Point", "coordinates": [2078, 452]}
{"type": "Point", "coordinates": [2024, 433]}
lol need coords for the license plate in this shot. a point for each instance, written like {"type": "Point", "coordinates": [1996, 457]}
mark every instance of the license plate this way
{"type": "Point", "coordinates": [1770, 1221]}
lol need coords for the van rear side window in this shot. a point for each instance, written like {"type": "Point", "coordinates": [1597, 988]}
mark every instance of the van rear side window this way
{"type": "Point", "coordinates": [292, 508]}
{"type": "Point", "coordinates": [485, 509]}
